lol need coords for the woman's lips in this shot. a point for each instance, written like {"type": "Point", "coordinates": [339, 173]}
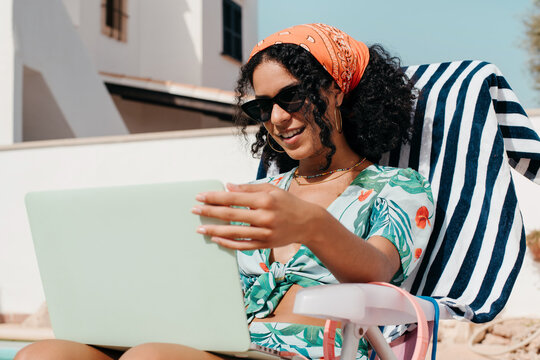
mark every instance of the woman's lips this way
{"type": "Point", "coordinates": [289, 137]}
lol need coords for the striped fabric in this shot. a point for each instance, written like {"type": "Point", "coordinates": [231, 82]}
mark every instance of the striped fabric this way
{"type": "Point", "coordinates": [469, 127]}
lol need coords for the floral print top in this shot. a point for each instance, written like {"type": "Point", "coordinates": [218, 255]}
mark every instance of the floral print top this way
{"type": "Point", "coordinates": [390, 202]}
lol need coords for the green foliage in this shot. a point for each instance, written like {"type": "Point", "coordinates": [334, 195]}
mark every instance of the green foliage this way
{"type": "Point", "coordinates": [532, 23]}
{"type": "Point", "coordinates": [533, 242]}
{"type": "Point", "coordinates": [533, 237]}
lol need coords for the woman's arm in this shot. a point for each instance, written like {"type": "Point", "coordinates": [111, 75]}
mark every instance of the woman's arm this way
{"type": "Point", "coordinates": [278, 218]}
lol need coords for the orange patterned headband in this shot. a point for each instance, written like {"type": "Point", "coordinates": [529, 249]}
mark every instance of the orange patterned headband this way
{"type": "Point", "coordinates": [342, 56]}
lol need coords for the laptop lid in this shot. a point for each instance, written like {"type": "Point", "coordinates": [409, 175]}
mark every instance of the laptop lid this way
{"type": "Point", "coordinates": [123, 265]}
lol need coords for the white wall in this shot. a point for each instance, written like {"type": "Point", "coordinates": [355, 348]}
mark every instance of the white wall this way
{"type": "Point", "coordinates": [523, 302]}
{"type": "Point", "coordinates": [159, 158]}
{"type": "Point", "coordinates": [73, 8]}
{"type": "Point", "coordinates": [47, 43]}
{"type": "Point", "coordinates": [528, 193]}
{"type": "Point", "coordinates": [164, 40]}
{"type": "Point", "coordinates": [163, 157]}
{"type": "Point", "coordinates": [176, 40]}
{"type": "Point", "coordinates": [108, 54]}
{"type": "Point", "coordinates": [9, 109]}
{"type": "Point", "coordinates": [221, 71]}
{"type": "Point", "coordinates": [171, 40]}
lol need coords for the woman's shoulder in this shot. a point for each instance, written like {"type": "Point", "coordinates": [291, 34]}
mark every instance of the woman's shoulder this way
{"type": "Point", "coordinates": [378, 176]}
{"type": "Point", "coordinates": [389, 171]}
{"type": "Point", "coordinates": [386, 180]}
{"type": "Point", "coordinates": [405, 180]}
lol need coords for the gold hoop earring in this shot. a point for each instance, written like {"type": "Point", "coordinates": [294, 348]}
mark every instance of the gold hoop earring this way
{"type": "Point", "coordinates": [339, 120]}
{"type": "Point", "coordinates": [269, 144]}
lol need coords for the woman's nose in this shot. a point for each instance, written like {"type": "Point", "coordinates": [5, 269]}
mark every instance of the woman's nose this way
{"type": "Point", "coordinates": [279, 115]}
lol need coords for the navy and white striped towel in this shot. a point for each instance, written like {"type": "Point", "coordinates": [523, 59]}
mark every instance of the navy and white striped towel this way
{"type": "Point", "coordinates": [469, 128]}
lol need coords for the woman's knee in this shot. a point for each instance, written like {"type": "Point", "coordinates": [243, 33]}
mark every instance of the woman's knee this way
{"type": "Point", "coordinates": [59, 350]}
{"type": "Point", "coordinates": [150, 351]}
{"type": "Point", "coordinates": [163, 351]}
{"type": "Point", "coordinates": [46, 349]}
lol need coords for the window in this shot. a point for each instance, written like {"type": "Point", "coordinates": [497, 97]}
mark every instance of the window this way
{"type": "Point", "coordinates": [114, 19]}
{"type": "Point", "coordinates": [232, 29]}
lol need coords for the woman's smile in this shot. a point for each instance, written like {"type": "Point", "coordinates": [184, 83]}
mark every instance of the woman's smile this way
{"type": "Point", "coordinates": [290, 136]}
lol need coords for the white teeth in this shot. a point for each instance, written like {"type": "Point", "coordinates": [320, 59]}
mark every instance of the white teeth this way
{"type": "Point", "coordinates": [290, 134]}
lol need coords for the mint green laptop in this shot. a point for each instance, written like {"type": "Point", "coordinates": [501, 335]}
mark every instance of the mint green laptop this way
{"type": "Point", "coordinates": [121, 266]}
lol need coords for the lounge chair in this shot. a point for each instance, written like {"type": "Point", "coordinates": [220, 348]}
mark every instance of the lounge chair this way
{"type": "Point", "coordinates": [469, 130]}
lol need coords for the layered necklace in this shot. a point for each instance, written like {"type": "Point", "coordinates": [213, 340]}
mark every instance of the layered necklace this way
{"type": "Point", "coordinates": [307, 177]}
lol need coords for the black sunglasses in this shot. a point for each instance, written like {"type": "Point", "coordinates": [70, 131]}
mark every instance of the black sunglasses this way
{"type": "Point", "coordinates": [290, 99]}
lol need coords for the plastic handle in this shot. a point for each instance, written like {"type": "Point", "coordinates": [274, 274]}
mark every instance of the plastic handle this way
{"type": "Point", "coordinates": [422, 334]}
{"type": "Point", "coordinates": [422, 337]}
{"type": "Point", "coordinates": [329, 339]}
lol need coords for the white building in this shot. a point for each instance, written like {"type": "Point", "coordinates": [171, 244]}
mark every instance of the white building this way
{"type": "Point", "coordinates": [168, 64]}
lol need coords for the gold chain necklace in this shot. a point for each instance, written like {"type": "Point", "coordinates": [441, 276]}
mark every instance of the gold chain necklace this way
{"type": "Point", "coordinates": [344, 170]}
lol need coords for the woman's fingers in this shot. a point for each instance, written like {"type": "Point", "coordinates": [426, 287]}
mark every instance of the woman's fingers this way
{"type": "Point", "coordinates": [250, 188]}
{"type": "Point", "coordinates": [238, 244]}
{"type": "Point", "coordinates": [230, 199]}
{"type": "Point", "coordinates": [229, 214]}
{"type": "Point", "coordinates": [224, 213]}
{"type": "Point", "coordinates": [251, 195]}
{"type": "Point", "coordinates": [235, 232]}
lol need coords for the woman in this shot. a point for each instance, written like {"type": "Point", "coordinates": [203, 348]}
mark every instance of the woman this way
{"type": "Point", "coordinates": [328, 108]}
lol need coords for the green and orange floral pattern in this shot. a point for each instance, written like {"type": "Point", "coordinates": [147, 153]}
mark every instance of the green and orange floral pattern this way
{"type": "Point", "coordinates": [394, 203]}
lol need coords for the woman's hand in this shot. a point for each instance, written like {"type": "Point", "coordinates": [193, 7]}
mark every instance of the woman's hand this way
{"type": "Point", "coordinates": [276, 217]}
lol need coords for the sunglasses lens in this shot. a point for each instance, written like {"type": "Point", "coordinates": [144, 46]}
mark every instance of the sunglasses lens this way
{"type": "Point", "coordinates": [265, 114]}
{"type": "Point", "coordinates": [291, 99]}
{"type": "Point", "coordinates": [258, 109]}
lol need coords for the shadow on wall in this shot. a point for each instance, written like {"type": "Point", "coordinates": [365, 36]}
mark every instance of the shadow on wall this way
{"type": "Point", "coordinates": [51, 57]}
{"type": "Point", "coordinates": [42, 117]}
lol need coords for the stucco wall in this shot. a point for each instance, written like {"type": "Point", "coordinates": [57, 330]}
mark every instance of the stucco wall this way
{"type": "Point", "coordinates": [8, 90]}
{"type": "Point", "coordinates": [47, 43]}
{"type": "Point", "coordinates": [134, 159]}
{"type": "Point", "coordinates": [221, 71]}
{"type": "Point", "coordinates": [163, 40]}
{"type": "Point", "coordinates": [176, 40]}
{"type": "Point", "coordinates": [75, 163]}
{"type": "Point", "coordinates": [527, 191]}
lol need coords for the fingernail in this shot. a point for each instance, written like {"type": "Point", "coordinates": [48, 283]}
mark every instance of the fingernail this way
{"type": "Point", "coordinates": [200, 197]}
{"type": "Point", "coordinates": [201, 230]}
{"type": "Point", "coordinates": [196, 210]}
{"type": "Point", "coordinates": [232, 186]}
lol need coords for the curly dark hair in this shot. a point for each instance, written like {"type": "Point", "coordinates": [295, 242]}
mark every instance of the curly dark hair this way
{"type": "Point", "coordinates": [376, 114]}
